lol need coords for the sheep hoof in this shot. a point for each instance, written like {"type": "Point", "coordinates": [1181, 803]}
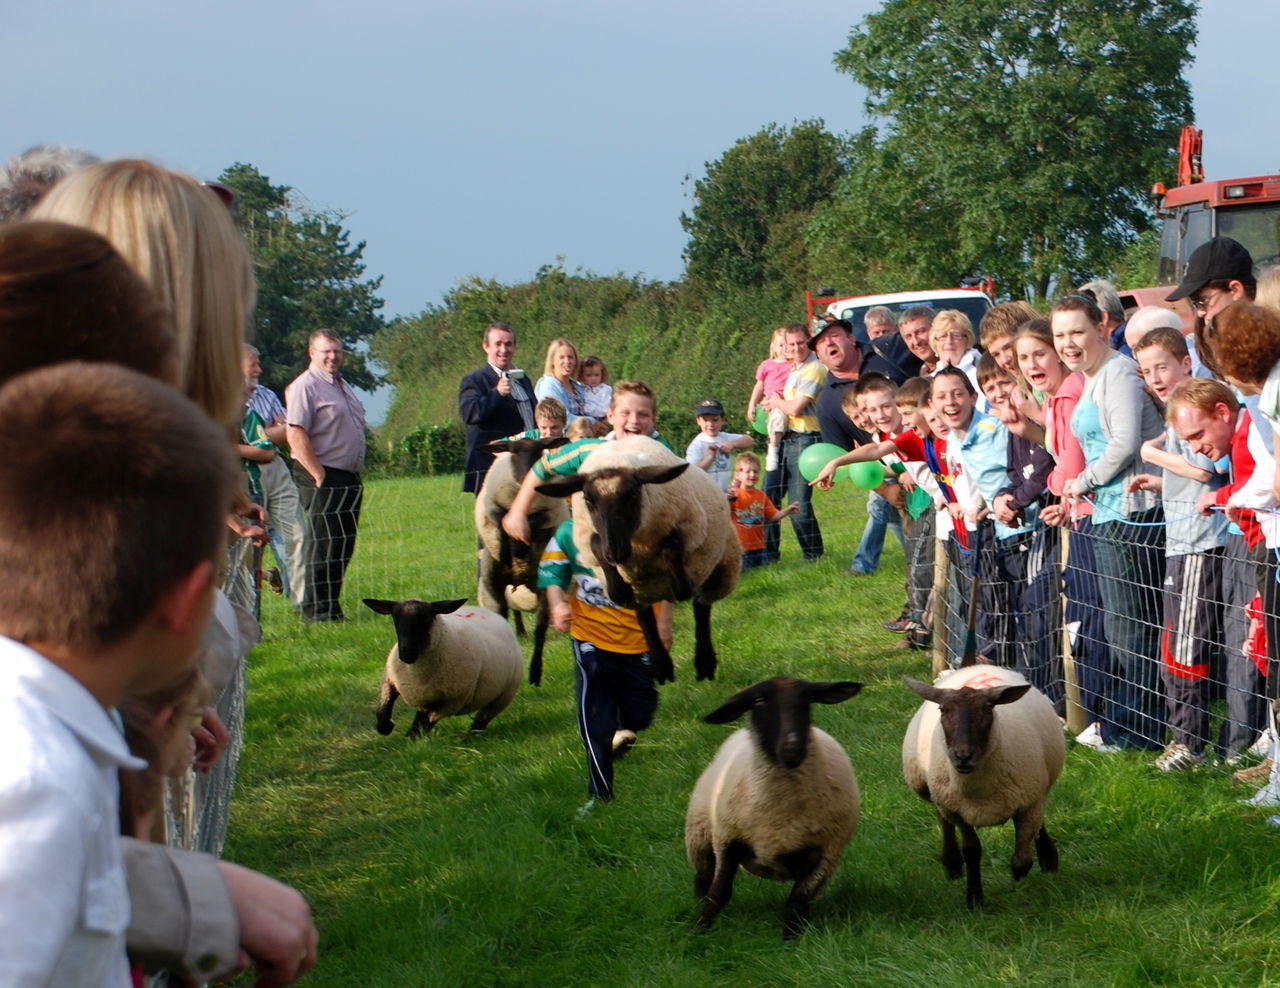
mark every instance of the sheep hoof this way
{"type": "Point", "coordinates": [386, 726]}
{"type": "Point", "coordinates": [1021, 870]}
{"type": "Point", "coordinates": [974, 899]}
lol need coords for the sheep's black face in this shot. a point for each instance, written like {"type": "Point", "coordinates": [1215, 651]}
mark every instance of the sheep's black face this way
{"type": "Point", "coordinates": [781, 721]}
{"type": "Point", "coordinates": [413, 621]}
{"type": "Point", "coordinates": [966, 723]}
{"type": "Point", "coordinates": [614, 500]}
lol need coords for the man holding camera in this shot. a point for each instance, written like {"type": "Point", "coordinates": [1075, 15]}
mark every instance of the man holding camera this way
{"type": "Point", "coordinates": [495, 401]}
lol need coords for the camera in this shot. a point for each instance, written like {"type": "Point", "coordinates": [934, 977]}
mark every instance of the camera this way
{"type": "Point", "coordinates": [516, 374]}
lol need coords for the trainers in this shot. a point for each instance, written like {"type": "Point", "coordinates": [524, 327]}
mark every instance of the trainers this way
{"type": "Point", "coordinates": [1262, 747]}
{"type": "Point", "coordinates": [1268, 795]}
{"type": "Point", "coordinates": [920, 638]}
{"type": "Point", "coordinates": [771, 460]}
{"type": "Point", "coordinates": [1091, 736]}
{"type": "Point", "coordinates": [1178, 758]}
{"type": "Point", "coordinates": [274, 581]}
{"type": "Point", "coordinates": [900, 625]}
{"type": "Point", "coordinates": [1253, 773]}
{"type": "Point", "coordinates": [622, 742]}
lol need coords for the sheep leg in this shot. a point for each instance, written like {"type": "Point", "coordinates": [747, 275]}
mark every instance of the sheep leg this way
{"type": "Point", "coordinates": [1046, 850]}
{"type": "Point", "coordinates": [664, 670]}
{"type": "Point", "coordinates": [952, 862]}
{"type": "Point", "coordinates": [671, 551]}
{"type": "Point", "coordinates": [618, 589]}
{"type": "Point", "coordinates": [1026, 825]}
{"type": "Point", "coordinates": [721, 890]}
{"type": "Point", "coordinates": [423, 722]}
{"type": "Point", "coordinates": [490, 593]}
{"type": "Point", "coordinates": [815, 868]}
{"type": "Point", "coordinates": [387, 697]}
{"type": "Point", "coordinates": [541, 618]}
{"type": "Point", "coordinates": [972, 848]}
{"type": "Point", "coordinates": [704, 869]}
{"type": "Point", "coordinates": [704, 652]}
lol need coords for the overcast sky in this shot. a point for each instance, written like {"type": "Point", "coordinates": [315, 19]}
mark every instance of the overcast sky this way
{"type": "Point", "coordinates": [489, 138]}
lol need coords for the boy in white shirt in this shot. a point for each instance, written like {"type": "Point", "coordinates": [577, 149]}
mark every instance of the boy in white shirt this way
{"type": "Point", "coordinates": [712, 449]}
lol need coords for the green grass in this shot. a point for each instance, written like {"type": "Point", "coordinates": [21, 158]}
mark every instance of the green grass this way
{"type": "Point", "coordinates": [459, 859]}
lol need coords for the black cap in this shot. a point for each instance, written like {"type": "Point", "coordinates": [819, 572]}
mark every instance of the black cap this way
{"type": "Point", "coordinates": [1221, 259]}
{"type": "Point", "coordinates": [709, 406]}
{"type": "Point", "coordinates": [844, 324]}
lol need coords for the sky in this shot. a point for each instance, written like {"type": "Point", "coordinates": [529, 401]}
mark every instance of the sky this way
{"type": "Point", "coordinates": [488, 139]}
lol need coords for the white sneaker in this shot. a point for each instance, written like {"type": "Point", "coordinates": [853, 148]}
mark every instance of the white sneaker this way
{"type": "Point", "coordinates": [1091, 736]}
{"type": "Point", "coordinates": [1268, 795]}
{"type": "Point", "coordinates": [1178, 758]}
{"type": "Point", "coordinates": [771, 460]}
{"type": "Point", "coordinates": [622, 742]}
{"type": "Point", "coordinates": [1262, 747]}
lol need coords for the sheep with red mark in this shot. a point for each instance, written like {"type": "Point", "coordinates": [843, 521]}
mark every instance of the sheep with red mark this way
{"type": "Point", "coordinates": [985, 747]}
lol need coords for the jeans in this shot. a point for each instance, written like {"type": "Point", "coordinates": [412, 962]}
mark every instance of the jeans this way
{"type": "Point", "coordinates": [1130, 558]}
{"type": "Point", "coordinates": [881, 515]}
{"type": "Point", "coordinates": [787, 478]}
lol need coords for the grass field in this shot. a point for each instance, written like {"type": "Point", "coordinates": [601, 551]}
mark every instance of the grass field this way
{"type": "Point", "coordinates": [460, 859]}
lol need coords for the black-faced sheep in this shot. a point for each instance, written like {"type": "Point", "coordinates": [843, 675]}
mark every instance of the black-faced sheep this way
{"type": "Point", "coordinates": [509, 563]}
{"type": "Point", "coordinates": [656, 530]}
{"type": "Point", "coordinates": [779, 800]}
{"type": "Point", "coordinates": [985, 747]}
{"type": "Point", "coordinates": [447, 662]}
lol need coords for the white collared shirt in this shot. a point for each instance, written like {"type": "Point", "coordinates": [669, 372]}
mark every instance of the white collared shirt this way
{"type": "Point", "coordinates": [64, 905]}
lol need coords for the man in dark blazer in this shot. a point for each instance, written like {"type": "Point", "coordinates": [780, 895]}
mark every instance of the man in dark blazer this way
{"type": "Point", "coordinates": [495, 401]}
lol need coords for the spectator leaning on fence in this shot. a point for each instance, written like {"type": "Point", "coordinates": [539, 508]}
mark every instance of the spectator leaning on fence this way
{"type": "Point", "coordinates": [285, 524]}
{"type": "Point", "coordinates": [1114, 417]}
{"type": "Point", "coordinates": [1195, 546]}
{"type": "Point", "coordinates": [326, 437]}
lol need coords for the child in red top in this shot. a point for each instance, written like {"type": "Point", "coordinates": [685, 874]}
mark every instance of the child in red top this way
{"type": "Point", "coordinates": [752, 510]}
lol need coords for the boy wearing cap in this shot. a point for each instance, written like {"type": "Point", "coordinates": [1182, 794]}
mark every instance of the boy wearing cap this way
{"type": "Point", "coordinates": [712, 449]}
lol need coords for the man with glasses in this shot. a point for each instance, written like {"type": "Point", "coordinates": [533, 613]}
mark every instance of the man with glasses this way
{"type": "Point", "coordinates": [1218, 273]}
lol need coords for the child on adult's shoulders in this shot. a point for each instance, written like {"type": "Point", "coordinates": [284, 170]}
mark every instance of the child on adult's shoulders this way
{"type": "Point", "coordinates": [752, 510]}
{"type": "Point", "coordinates": [711, 449]}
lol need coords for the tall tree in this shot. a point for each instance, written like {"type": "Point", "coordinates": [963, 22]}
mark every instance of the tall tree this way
{"type": "Point", "coordinates": [751, 206]}
{"type": "Point", "coordinates": [1021, 137]}
{"type": "Point", "coordinates": [309, 277]}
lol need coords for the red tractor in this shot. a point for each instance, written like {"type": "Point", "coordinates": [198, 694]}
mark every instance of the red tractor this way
{"type": "Point", "coordinates": [1245, 209]}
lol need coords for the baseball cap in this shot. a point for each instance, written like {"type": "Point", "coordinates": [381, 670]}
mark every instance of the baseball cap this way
{"type": "Point", "coordinates": [1221, 259]}
{"type": "Point", "coordinates": [844, 324]}
{"type": "Point", "coordinates": [709, 406]}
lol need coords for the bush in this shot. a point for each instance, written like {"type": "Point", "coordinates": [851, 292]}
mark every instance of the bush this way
{"type": "Point", "coordinates": [434, 449]}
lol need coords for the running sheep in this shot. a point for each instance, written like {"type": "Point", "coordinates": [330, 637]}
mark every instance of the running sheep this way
{"type": "Point", "coordinates": [985, 747]}
{"type": "Point", "coordinates": [779, 800]}
{"type": "Point", "coordinates": [654, 530]}
{"type": "Point", "coordinates": [446, 662]}
{"type": "Point", "coordinates": [508, 567]}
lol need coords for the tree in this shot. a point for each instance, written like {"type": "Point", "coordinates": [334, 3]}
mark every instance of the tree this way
{"type": "Point", "coordinates": [1021, 137]}
{"type": "Point", "coordinates": [751, 207]}
{"type": "Point", "coordinates": [309, 277]}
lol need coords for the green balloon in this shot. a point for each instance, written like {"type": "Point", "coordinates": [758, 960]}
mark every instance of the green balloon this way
{"type": "Point", "coordinates": [814, 458]}
{"type": "Point", "coordinates": [866, 476]}
{"type": "Point", "coordinates": [761, 423]}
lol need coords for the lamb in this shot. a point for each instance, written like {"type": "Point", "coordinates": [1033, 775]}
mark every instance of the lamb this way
{"type": "Point", "coordinates": [508, 567]}
{"type": "Point", "coordinates": [447, 662]}
{"type": "Point", "coordinates": [780, 799]}
{"type": "Point", "coordinates": [654, 530]}
{"type": "Point", "coordinates": [981, 766]}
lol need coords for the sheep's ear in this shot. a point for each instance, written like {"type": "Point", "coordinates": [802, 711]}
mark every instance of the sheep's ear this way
{"type": "Point", "coordinates": [1009, 693]}
{"type": "Point", "coordinates": [924, 689]}
{"type": "Point", "coordinates": [499, 446]}
{"type": "Point", "coordinates": [562, 486]}
{"type": "Point", "coordinates": [732, 708]}
{"type": "Point", "coordinates": [380, 606]}
{"type": "Point", "coordinates": [555, 443]}
{"type": "Point", "coordinates": [447, 606]}
{"type": "Point", "coordinates": [831, 692]}
{"type": "Point", "coordinates": [660, 474]}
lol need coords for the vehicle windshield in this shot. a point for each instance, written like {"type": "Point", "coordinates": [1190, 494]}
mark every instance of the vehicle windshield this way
{"type": "Point", "coordinates": [1256, 227]}
{"type": "Point", "coordinates": [972, 304]}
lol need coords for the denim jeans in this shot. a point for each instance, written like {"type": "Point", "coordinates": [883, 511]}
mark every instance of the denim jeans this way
{"type": "Point", "coordinates": [1130, 558]}
{"type": "Point", "coordinates": [881, 516]}
{"type": "Point", "coordinates": [788, 479]}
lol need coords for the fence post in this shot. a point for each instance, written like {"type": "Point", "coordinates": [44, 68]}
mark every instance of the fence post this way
{"type": "Point", "coordinates": [941, 577]}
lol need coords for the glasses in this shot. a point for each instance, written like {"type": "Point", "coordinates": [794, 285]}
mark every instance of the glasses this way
{"type": "Point", "coordinates": [1199, 303]}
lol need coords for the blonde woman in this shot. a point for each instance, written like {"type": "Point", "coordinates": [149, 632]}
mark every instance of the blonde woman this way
{"type": "Point", "coordinates": [951, 337]}
{"type": "Point", "coordinates": [559, 378]}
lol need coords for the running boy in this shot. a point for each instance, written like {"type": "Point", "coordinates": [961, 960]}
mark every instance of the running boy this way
{"type": "Point", "coordinates": [110, 585]}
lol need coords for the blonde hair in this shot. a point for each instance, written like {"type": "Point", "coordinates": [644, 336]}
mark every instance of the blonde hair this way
{"type": "Point", "coordinates": [949, 319]}
{"type": "Point", "coordinates": [548, 368]}
{"type": "Point", "coordinates": [778, 340]}
{"type": "Point", "coordinates": [179, 237]}
{"type": "Point", "coordinates": [1269, 287]}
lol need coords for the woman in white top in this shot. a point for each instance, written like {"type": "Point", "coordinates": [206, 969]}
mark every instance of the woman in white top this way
{"type": "Point", "coordinates": [558, 378]}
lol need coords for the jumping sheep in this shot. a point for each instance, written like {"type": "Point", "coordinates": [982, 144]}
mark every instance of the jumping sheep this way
{"type": "Point", "coordinates": [447, 662]}
{"type": "Point", "coordinates": [655, 530]}
{"type": "Point", "coordinates": [985, 747]}
{"type": "Point", "coordinates": [508, 566]}
{"type": "Point", "coordinates": [779, 799]}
